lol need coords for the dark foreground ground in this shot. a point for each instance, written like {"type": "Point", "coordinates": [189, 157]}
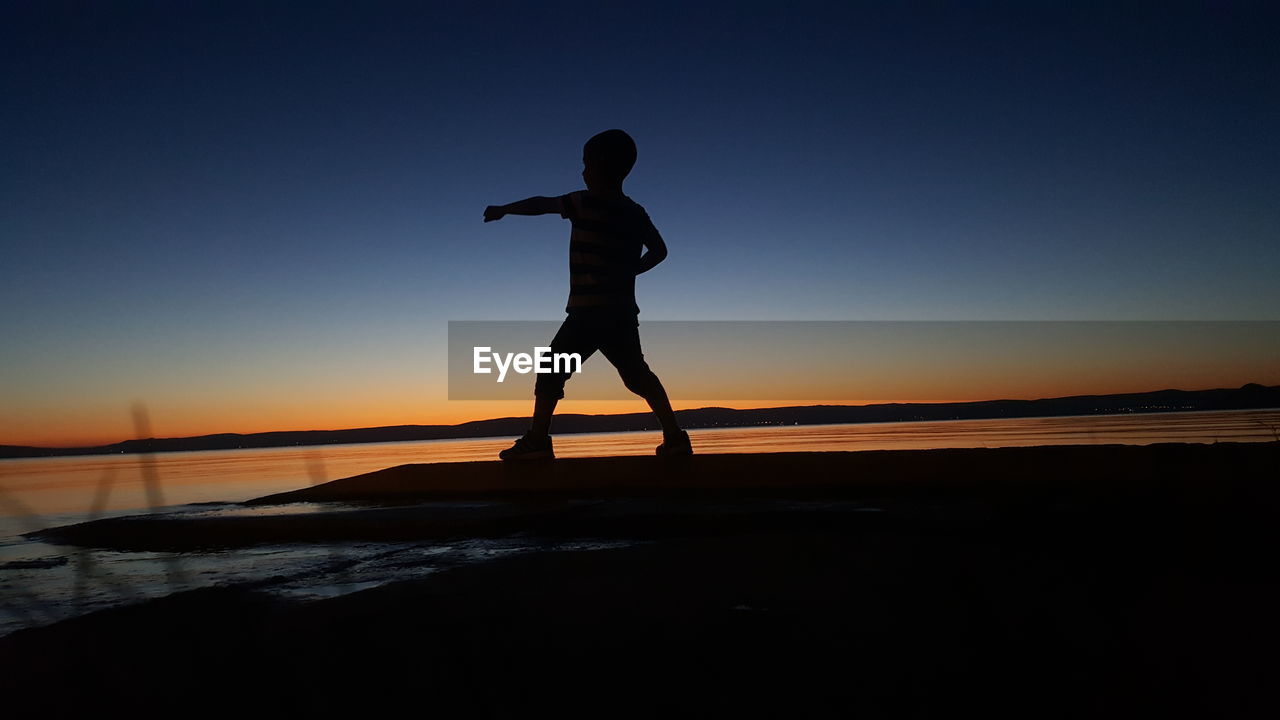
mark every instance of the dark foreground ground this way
{"type": "Point", "coordinates": [1038, 582]}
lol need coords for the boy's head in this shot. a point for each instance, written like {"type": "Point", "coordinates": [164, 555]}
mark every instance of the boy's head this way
{"type": "Point", "coordinates": [607, 158]}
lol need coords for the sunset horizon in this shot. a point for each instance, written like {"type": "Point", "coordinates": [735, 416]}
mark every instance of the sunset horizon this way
{"type": "Point", "coordinates": [515, 409]}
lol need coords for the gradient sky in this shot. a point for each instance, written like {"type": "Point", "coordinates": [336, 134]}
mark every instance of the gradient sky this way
{"type": "Point", "coordinates": [257, 215]}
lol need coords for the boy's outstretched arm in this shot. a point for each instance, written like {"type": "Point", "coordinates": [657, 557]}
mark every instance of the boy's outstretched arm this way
{"type": "Point", "coordinates": [655, 252]}
{"type": "Point", "coordinates": [529, 206]}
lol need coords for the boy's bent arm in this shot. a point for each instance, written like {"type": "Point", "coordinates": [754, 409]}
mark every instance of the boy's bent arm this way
{"type": "Point", "coordinates": [529, 206]}
{"type": "Point", "coordinates": [655, 252]}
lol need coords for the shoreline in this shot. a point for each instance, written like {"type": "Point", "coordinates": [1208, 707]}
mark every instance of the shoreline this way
{"type": "Point", "coordinates": [387, 505]}
{"type": "Point", "coordinates": [412, 502]}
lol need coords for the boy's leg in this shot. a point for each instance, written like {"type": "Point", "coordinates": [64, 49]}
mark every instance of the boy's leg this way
{"type": "Point", "coordinates": [572, 337]}
{"type": "Point", "coordinates": [544, 406]}
{"type": "Point", "coordinates": [661, 406]}
{"type": "Point", "coordinates": [656, 395]}
{"type": "Point", "coordinates": [622, 348]}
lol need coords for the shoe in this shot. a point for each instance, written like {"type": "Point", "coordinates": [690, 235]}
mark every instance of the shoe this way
{"type": "Point", "coordinates": [675, 445]}
{"type": "Point", "coordinates": [529, 448]}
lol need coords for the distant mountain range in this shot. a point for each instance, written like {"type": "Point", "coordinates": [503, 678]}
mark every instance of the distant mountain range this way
{"type": "Point", "coordinates": [1248, 397]}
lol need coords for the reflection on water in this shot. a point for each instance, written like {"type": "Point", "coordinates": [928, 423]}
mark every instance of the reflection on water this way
{"type": "Point", "coordinates": [62, 486]}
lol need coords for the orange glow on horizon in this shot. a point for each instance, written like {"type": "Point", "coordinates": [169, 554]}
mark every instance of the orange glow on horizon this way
{"type": "Point", "coordinates": [105, 424]}
{"type": "Point", "coordinates": [931, 363]}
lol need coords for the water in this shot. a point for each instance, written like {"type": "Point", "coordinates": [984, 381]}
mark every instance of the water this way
{"type": "Point", "coordinates": [68, 487]}
{"type": "Point", "coordinates": [40, 583]}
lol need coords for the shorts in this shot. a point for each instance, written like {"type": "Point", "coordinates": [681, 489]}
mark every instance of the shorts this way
{"type": "Point", "coordinates": [616, 335]}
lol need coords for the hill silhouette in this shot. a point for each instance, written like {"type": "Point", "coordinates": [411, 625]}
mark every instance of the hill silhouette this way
{"type": "Point", "coordinates": [1247, 397]}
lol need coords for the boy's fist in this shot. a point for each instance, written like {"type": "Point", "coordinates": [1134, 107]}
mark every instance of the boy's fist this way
{"type": "Point", "coordinates": [494, 212]}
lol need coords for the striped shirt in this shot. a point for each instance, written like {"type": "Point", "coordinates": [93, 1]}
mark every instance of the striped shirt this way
{"type": "Point", "coordinates": [609, 233]}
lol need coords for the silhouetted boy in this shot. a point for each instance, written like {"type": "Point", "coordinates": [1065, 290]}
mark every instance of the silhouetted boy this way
{"type": "Point", "coordinates": [609, 232]}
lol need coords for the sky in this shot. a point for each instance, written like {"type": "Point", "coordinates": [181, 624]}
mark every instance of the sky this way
{"type": "Point", "coordinates": [256, 216]}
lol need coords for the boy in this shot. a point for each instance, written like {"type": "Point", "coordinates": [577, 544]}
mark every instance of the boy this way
{"type": "Point", "coordinates": [609, 231]}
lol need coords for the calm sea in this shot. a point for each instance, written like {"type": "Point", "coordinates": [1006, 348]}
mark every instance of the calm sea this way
{"type": "Point", "coordinates": [70, 486]}
{"type": "Point", "coordinates": [40, 583]}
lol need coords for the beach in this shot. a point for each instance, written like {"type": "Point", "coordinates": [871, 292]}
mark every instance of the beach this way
{"type": "Point", "coordinates": [1049, 581]}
